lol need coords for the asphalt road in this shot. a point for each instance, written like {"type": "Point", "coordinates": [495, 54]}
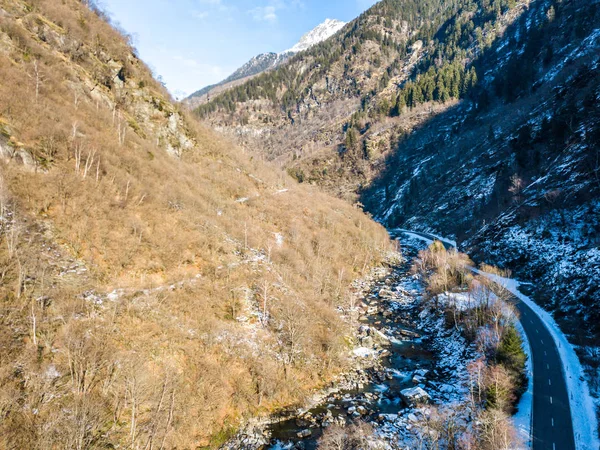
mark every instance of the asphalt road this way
{"type": "Point", "coordinates": [552, 424]}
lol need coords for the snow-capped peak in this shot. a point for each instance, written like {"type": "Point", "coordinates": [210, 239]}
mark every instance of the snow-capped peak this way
{"type": "Point", "coordinates": [319, 34]}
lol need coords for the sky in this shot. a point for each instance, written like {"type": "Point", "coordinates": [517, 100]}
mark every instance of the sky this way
{"type": "Point", "coordinates": [193, 43]}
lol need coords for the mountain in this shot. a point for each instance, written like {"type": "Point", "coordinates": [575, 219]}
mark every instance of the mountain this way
{"type": "Point", "coordinates": [157, 285]}
{"type": "Point", "coordinates": [267, 61]}
{"type": "Point", "coordinates": [258, 64]}
{"type": "Point", "coordinates": [512, 170]}
{"type": "Point", "coordinates": [319, 34]}
{"type": "Point", "coordinates": [472, 119]}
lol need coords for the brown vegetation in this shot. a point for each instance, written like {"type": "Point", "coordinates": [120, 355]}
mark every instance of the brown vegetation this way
{"type": "Point", "coordinates": [352, 437]}
{"type": "Point", "coordinates": [487, 318]}
{"type": "Point", "coordinates": [156, 286]}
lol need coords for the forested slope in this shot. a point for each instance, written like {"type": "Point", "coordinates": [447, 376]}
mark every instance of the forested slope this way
{"type": "Point", "coordinates": [156, 285]}
{"type": "Point", "coordinates": [332, 113]}
{"type": "Point", "coordinates": [513, 170]}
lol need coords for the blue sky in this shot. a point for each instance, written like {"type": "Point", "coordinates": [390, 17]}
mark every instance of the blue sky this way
{"type": "Point", "coordinates": [194, 43]}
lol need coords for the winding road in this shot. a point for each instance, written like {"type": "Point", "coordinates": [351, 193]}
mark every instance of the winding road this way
{"type": "Point", "coordinates": [552, 424]}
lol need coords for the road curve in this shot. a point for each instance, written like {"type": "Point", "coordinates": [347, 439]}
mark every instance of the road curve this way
{"type": "Point", "coordinates": [552, 424]}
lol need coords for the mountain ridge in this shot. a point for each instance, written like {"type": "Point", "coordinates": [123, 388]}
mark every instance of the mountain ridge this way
{"type": "Point", "coordinates": [270, 60]}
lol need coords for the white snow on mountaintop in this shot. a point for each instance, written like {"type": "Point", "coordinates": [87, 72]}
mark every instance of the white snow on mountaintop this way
{"type": "Point", "coordinates": [269, 61]}
{"type": "Point", "coordinates": [321, 33]}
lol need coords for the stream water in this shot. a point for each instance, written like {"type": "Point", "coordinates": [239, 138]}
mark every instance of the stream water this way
{"type": "Point", "coordinates": [399, 351]}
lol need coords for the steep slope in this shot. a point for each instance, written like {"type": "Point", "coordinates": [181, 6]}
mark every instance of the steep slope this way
{"type": "Point", "coordinates": [156, 284]}
{"type": "Point", "coordinates": [477, 119]}
{"type": "Point", "coordinates": [513, 172]}
{"type": "Point", "coordinates": [331, 114]}
{"type": "Point", "coordinates": [266, 61]}
{"type": "Point", "coordinates": [518, 161]}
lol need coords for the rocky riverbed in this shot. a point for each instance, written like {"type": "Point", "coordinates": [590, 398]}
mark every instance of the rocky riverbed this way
{"type": "Point", "coordinates": [405, 360]}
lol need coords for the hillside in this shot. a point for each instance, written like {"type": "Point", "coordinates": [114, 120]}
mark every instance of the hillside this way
{"type": "Point", "coordinates": [467, 117]}
{"type": "Point", "coordinates": [330, 115]}
{"type": "Point", "coordinates": [472, 119]}
{"type": "Point", "coordinates": [513, 171]}
{"type": "Point", "coordinates": [157, 285]}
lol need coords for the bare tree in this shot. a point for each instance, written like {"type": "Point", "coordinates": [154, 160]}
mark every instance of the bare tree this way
{"type": "Point", "coordinates": [121, 128]}
{"type": "Point", "coordinates": [265, 297]}
{"type": "Point", "coordinates": [516, 187]}
{"type": "Point", "coordinates": [352, 437]}
{"type": "Point", "coordinates": [292, 332]}
{"type": "Point", "coordinates": [37, 77]}
{"type": "Point", "coordinates": [496, 431]}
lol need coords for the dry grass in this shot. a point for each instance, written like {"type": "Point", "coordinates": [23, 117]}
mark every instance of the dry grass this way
{"type": "Point", "coordinates": [252, 326]}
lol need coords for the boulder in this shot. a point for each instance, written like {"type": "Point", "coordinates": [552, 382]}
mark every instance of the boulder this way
{"type": "Point", "coordinates": [304, 433]}
{"type": "Point", "coordinates": [410, 334]}
{"type": "Point", "coordinates": [418, 379]}
{"type": "Point", "coordinates": [385, 293]}
{"type": "Point", "coordinates": [414, 396]}
{"type": "Point", "coordinates": [422, 372]}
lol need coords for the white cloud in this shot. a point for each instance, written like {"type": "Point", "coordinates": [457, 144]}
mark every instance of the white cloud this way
{"type": "Point", "coordinates": [269, 12]}
{"type": "Point", "coordinates": [200, 14]}
{"type": "Point", "coordinates": [207, 8]}
{"type": "Point", "coordinates": [264, 13]}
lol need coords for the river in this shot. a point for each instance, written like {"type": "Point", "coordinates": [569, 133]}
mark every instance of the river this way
{"type": "Point", "coordinates": [404, 350]}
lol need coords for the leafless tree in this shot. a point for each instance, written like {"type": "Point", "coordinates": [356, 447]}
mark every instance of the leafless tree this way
{"type": "Point", "coordinates": [516, 187]}
{"type": "Point", "coordinates": [352, 437]}
{"type": "Point", "coordinates": [265, 298]}
{"type": "Point", "coordinates": [37, 77]}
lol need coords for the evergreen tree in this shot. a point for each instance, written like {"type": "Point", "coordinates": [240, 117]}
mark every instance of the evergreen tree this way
{"type": "Point", "coordinates": [510, 351]}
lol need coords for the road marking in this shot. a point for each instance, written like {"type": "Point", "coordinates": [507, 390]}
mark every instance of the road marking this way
{"type": "Point", "coordinates": [545, 354]}
{"type": "Point", "coordinates": [553, 446]}
{"type": "Point", "coordinates": [542, 341]}
{"type": "Point", "coordinates": [550, 399]}
{"type": "Point", "coordinates": [553, 421]}
{"type": "Point", "coordinates": [549, 383]}
{"type": "Point", "coordinates": [548, 366]}
{"type": "Point", "coordinates": [537, 331]}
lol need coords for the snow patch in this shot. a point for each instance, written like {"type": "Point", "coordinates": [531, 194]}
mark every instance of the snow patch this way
{"type": "Point", "coordinates": [582, 405]}
{"type": "Point", "coordinates": [524, 416]}
{"type": "Point", "coordinates": [319, 34]}
{"type": "Point", "coordinates": [364, 352]}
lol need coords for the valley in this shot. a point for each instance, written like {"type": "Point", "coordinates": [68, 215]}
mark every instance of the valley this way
{"type": "Point", "coordinates": [386, 237]}
{"type": "Point", "coordinates": [405, 356]}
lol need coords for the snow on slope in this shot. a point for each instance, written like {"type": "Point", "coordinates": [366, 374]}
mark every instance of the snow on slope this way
{"type": "Point", "coordinates": [260, 63]}
{"type": "Point", "coordinates": [321, 33]}
{"type": "Point", "coordinates": [582, 404]}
